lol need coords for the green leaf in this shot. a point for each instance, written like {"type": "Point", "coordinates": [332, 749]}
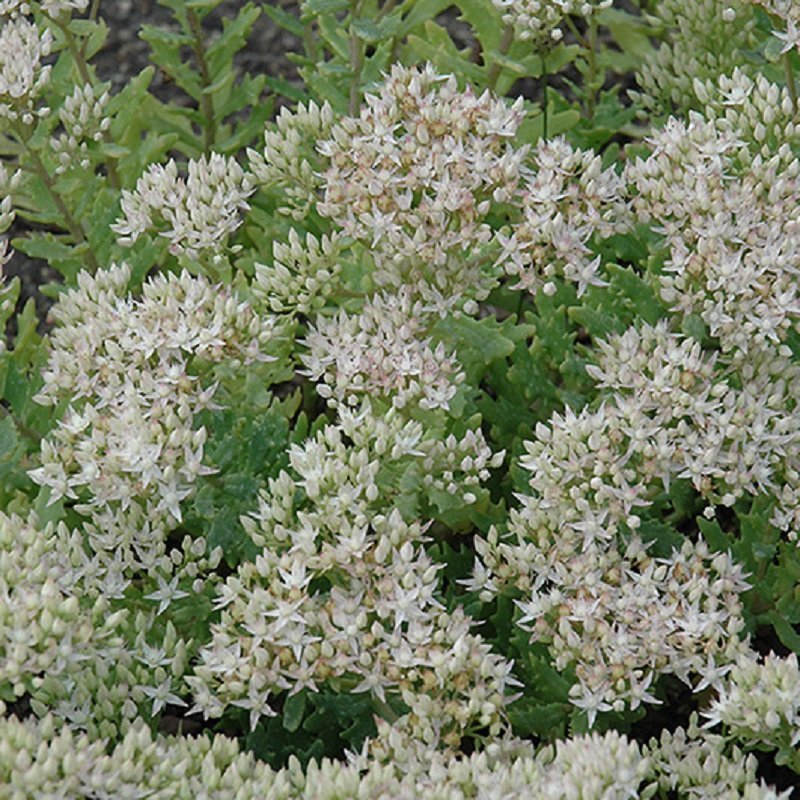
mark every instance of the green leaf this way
{"type": "Point", "coordinates": [477, 342]}
{"type": "Point", "coordinates": [693, 325]}
{"type": "Point", "coordinates": [421, 12]}
{"type": "Point", "coordinates": [284, 20]}
{"type": "Point", "coordinates": [233, 39]}
{"type": "Point", "coordinates": [532, 127]}
{"type": "Point", "coordinates": [8, 438]}
{"type": "Point", "coordinates": [714, 535]}
{"type": "Point", "coordinates": [325, 6]}
{"type": "Point", "coordinates": [598, 324]}
{"type": "Point", "coordinates": [545, 720]}
{"type": "Point", "coordinates": [662, 538]}
{"type": "Point", "coordinates": [437, 47]}
{"type": "Point", "coordinates": [637, 292]}
{"type": "Point", "coordinates": [293, 710]}
{"type": "Point", "coordinates": [367, 30]}
{"type": "Point", "coordinates": [786, 632]}
{"type": "Point", "coordinates": [629, 32]}
{"type": "Point", "coordinates": [485, 20]}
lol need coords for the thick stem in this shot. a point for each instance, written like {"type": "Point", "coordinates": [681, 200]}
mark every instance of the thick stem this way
{"type": "Point", "coordinates": [790, 83]}
{"type": "Point", "coordinates": [505, 46]}
{"type": "Point", "coordinates": [545, 114]}
{"type": "Point", "coordinates": [591, 98]}
{"type": "Point", "coordinates": [72, 225]}
{"type": "Point", "coordinates": [356, 62]}
{"type": "Point", "coordinates": [206, 103]}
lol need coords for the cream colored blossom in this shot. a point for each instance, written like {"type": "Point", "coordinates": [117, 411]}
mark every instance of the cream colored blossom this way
{"type": "Point", "coordinates": [199, 212]}
{"type": "Point", "coordinates": [126, 446]}
{"type": "Point", "coordinates": [539, 20]}
{"type": "Point", "coordinates": [567, 202]}
{"type": "Point", "coordinates": [22, 75]}
{"type": "Point", "coordinates": [414, 176]}
{"type": "Point", "coordinates": [383, 351]}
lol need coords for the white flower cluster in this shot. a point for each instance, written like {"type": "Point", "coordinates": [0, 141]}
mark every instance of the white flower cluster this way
{"type": "Point", "coordinates": [84, 120]}
{"type": "Point", "coordinates": [60, 643]}
{"type": "Point", "coordinates": [788, 12]}
{"type": "Point", "coordinates": [595, 594]}
{"type": "Point", "coordinates": [303, 275]}
{"type": "Point", "coordinates": [539, 20]}
{"type": "Point", "coordinates": [199, 212]}
{"type": "Point", "coordinates": [414, 176]}
{"type": "Point", "coordinates": [39, 759]}
{"type": "Point", "coordinates": [731, 435]}
{"type": "Point", "coordinates": [759, 703]}
{"type": "Point", "coordinates": [125, 447]}
{"type": "Point", "coordinates": [44, 632]}
{"type": "Point", "coordinates": [729, 224]}
{"type": "Point", "coordinates": [568, 200]}
{"type": "Point", "coordinates": [379, 628]}
{"type": "Point", "coordinates": [22, 75]}
{"type": "Point", "coordinates": [693, 763]}
{"type": "Point", "coordinates": [759, 114]}
{"type": "Point", "coordinates": [289, 162]}
{"type": "Point", "coordinates": [705, 41]}
{"type": "Point", "coordinates": [381, 352]}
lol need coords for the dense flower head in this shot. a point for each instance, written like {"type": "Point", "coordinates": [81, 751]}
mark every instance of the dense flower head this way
{"type": "Point", "coordinates": [540, 19]}
{"type": "Point", "coordinates": [730, 434]}
{"type": "Point", "coordinates": [381, 352]}
{"type": "Point", "coordinates": [62, 645]}
{"type": "Point", "coordinates": [22, 75]}
{"type": "Point", "coordinates": [568, 200]}
{"type": "Point", "coordinates": [415, 174]}
{"type": "Point", "coordinates": [757, 112]}
{"type": "Point", "coordinates": [622, 619]}
{"type": "Point", "coordinates": [303, 274]}
{"type": "Point", "coordinates": [44, 631]}
{"type": "Point", "coordinates": [694, 762]}
{"type": "Point", "coordinates": [199, 212]}
{"type": "Point", "coordinates": [730, 232]}
{"type": "Point", "coordinates": [83, 117]}
{"type": "Point", "coordinates": [289, 162]}
{"type": "Point", "coordinates": [380, 628]}
{"type": "Point", "coordinates": [706, 40]}
{"type": "Point", "coordinates": [596, 595]}
{"type": "Point", "coordinates": [759, 702]}
{"type": "Point", "coordinates": [39, 758]}
{"type": "Point", "coordinates": [125, 445]}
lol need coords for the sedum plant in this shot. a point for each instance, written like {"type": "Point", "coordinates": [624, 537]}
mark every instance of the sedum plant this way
{"type": "Point", "coordinates": [424, 424]}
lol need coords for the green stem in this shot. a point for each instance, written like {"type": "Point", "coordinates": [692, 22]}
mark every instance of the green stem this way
{"type": "Point", "coordinates": [206, 103]}
{"type": "Point", "coordinates": [94, 10]}
{"type": "Point", "coordinates": [591, 99]}
{"type": "Point", "coordinates": [79, 58]}
{"type": "Point", "coordinates": [790, 84]}
{"type": "Point", "coordinates": [72, 225]}
{"type": "Point", "coordinates": [310, 43]}
{"type": "Point", "coordinates": [78, 54]}
{"type": "Point", "coordinates": [356, 62]}
{"type": "Point", "coordinates": [505, 46]}
{"type": "Point", "coordinates": [545, 113]}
